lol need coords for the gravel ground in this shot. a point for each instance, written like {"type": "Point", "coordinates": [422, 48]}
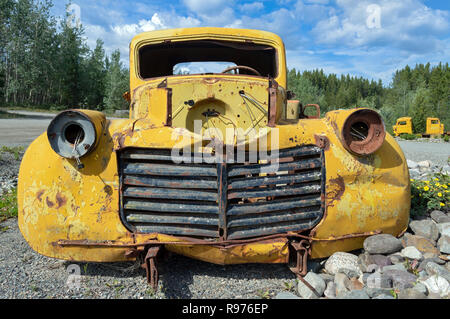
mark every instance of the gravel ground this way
{"type": "Point", "coordinates": [438, 151]}
{"type": "Point", "coordinates": [26, 274]}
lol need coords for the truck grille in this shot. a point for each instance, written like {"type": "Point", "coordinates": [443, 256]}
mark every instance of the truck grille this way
{"type": "Point", "coordinates": [221, 201]}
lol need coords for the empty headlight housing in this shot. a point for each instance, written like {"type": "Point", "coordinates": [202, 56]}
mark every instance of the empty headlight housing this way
{"type": "Point", "coordinates": [75, 133]}
{"type": "Point", "coordinates": [363, 132]}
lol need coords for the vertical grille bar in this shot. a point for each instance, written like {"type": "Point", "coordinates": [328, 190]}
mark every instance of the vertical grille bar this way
{"type": "Point", "coordinates": [222, 195]}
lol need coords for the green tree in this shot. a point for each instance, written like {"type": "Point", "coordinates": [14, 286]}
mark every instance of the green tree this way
{"type": "Point", "coordinates": [72, 52]}
{"type": "Point", "coordinates": [117, 83]}
{"type": "Point", "coordinates": [421, 109]}
{"type": "Point", "coordinates": [94, 78]}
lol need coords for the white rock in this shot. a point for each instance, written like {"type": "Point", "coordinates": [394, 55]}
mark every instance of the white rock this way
{"type": "Point", "coordinates": [316, 282]}
{"type": "Point", "coordinates": [444, 229]}
{"type": "Point", "coordinates": [421, 288]}
{"type": "Point", "coordinates": [444, 244]}
{"type": "Point", "coordinates": [438, 285]}
{"type": "Point", "coordinates": [424, 164]}
{"type": "Point", "coordinates": [411, 164]}
{"type": "Point", "coordinates": [342, 261]}
{"type": "Point", "coordinates": [411, 252]}
{"type": "Point", "coordinates": [330, 292]}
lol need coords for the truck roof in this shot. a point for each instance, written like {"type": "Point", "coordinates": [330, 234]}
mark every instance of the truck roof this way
{"type": "Point", "coordinates": [157, 37]}
{"type": "Point", "coordinates": [207, 32]}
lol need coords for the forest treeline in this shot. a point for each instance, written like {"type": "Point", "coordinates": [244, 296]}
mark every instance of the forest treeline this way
{"type": "Point", "coordinates": [419, 92]}
{"type": "Point", "coordinates": [45, 63]}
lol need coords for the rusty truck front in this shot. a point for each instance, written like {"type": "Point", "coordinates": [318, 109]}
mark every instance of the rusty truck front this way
{"type": "Point", "coordinates": [216, 165]}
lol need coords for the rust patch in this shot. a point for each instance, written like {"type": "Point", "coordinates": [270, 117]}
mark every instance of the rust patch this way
{"type": "Point", "coordinates": [39, 195]}
{"type": "Point", "coordinates": [60, 200]}
{"type": "Point", "coordinates": [49, 202]}
{"type": "Point", "coordinates": [322, 141]}
{"type": "Point", "coordinates": [336, 190]}
{"type": "Point", "coordinates": [119, 137]}
{"type": "Point", "coordinates": [108, 190]}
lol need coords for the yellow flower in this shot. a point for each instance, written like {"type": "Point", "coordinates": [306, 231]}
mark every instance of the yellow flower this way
{"type": "Point", "coordinates": [437, 184]}
{"type": "Point", "coordinates": [436, 179]}
{"type": "Point", "coordinates": [440, 194]}
{"type": "Point", "coordinates": [445, 186]}
{"type": "Point", "coordinates": [442, 204]}
{"type": "Point", "coordinates": [412, 180]}
{"type": "Point", "coordinates": [426, 188]}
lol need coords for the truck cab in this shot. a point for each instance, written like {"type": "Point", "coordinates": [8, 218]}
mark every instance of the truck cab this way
{"type": "Point", "coordinates": [403, 126]}
{"type": "Point", "coordinates": [434, 127]}
{"type": "Point", "coordinates": [223, 80]}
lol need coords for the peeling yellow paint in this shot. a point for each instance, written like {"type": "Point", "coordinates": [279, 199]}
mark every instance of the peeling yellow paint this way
{"type": "Point", "coordinates": [59, 202]}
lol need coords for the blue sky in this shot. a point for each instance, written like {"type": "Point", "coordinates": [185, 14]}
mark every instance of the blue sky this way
{"type": "Point", "coordinates": [364, 38]}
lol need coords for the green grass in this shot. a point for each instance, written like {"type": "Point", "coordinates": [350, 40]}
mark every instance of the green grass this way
{"type": "Point", "coordinates": [8, 205]}
{"type": "Point", "coordinates": [6, 115]}
{"type": "Point", "coordinates": [16, 150]}
{"type": "Point", "coordinates": [407, 136]}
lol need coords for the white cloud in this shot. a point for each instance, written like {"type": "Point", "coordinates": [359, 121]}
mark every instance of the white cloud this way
{"type": "Point", "coordinates": [332, 35]}
{"type": "Point", "coordinates": [251, 7]}
{"type": "Point", "coordinates": [407, 25]}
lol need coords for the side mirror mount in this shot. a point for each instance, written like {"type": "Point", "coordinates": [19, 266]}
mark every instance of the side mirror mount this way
{"type": "Point", "coordinates": [127, 97]}
{"type": "Point", "coordinates": [316, 106]}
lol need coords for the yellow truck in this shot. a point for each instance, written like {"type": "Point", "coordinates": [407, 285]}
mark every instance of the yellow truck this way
{"type": "Point", "coordinates": [403, 126]}
{"type": "Point", "coordinates": [211, 165]}
{"type": "Point", "coordinates": [433, 127]}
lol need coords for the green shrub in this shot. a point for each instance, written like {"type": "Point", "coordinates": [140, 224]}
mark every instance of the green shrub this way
{"type": "Point", "coordinates": [446, 138]}
{"type": "Point", "coordinates": [430, 194]}
{"type": "Point", "coordinates": [407, 136]}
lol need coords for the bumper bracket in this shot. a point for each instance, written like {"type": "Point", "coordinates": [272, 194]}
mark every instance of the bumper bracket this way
{"type": "Point", "coordinates": [150, 266]}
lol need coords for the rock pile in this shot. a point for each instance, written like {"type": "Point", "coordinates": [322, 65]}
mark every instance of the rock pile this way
{"type": "Point", "coordinates": [414, 266]}
{"type": "Point", "coordinates": [424, 169]}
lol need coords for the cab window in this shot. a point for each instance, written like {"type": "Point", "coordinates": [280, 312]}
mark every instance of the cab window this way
{"type": "Point", "coordinates": [156, 60]}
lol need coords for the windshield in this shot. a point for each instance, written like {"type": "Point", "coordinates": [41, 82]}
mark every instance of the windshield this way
{"type": "Point", "coordinates": [201, 67]}
{"type": "Point", "coordinates": [161, 59]}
